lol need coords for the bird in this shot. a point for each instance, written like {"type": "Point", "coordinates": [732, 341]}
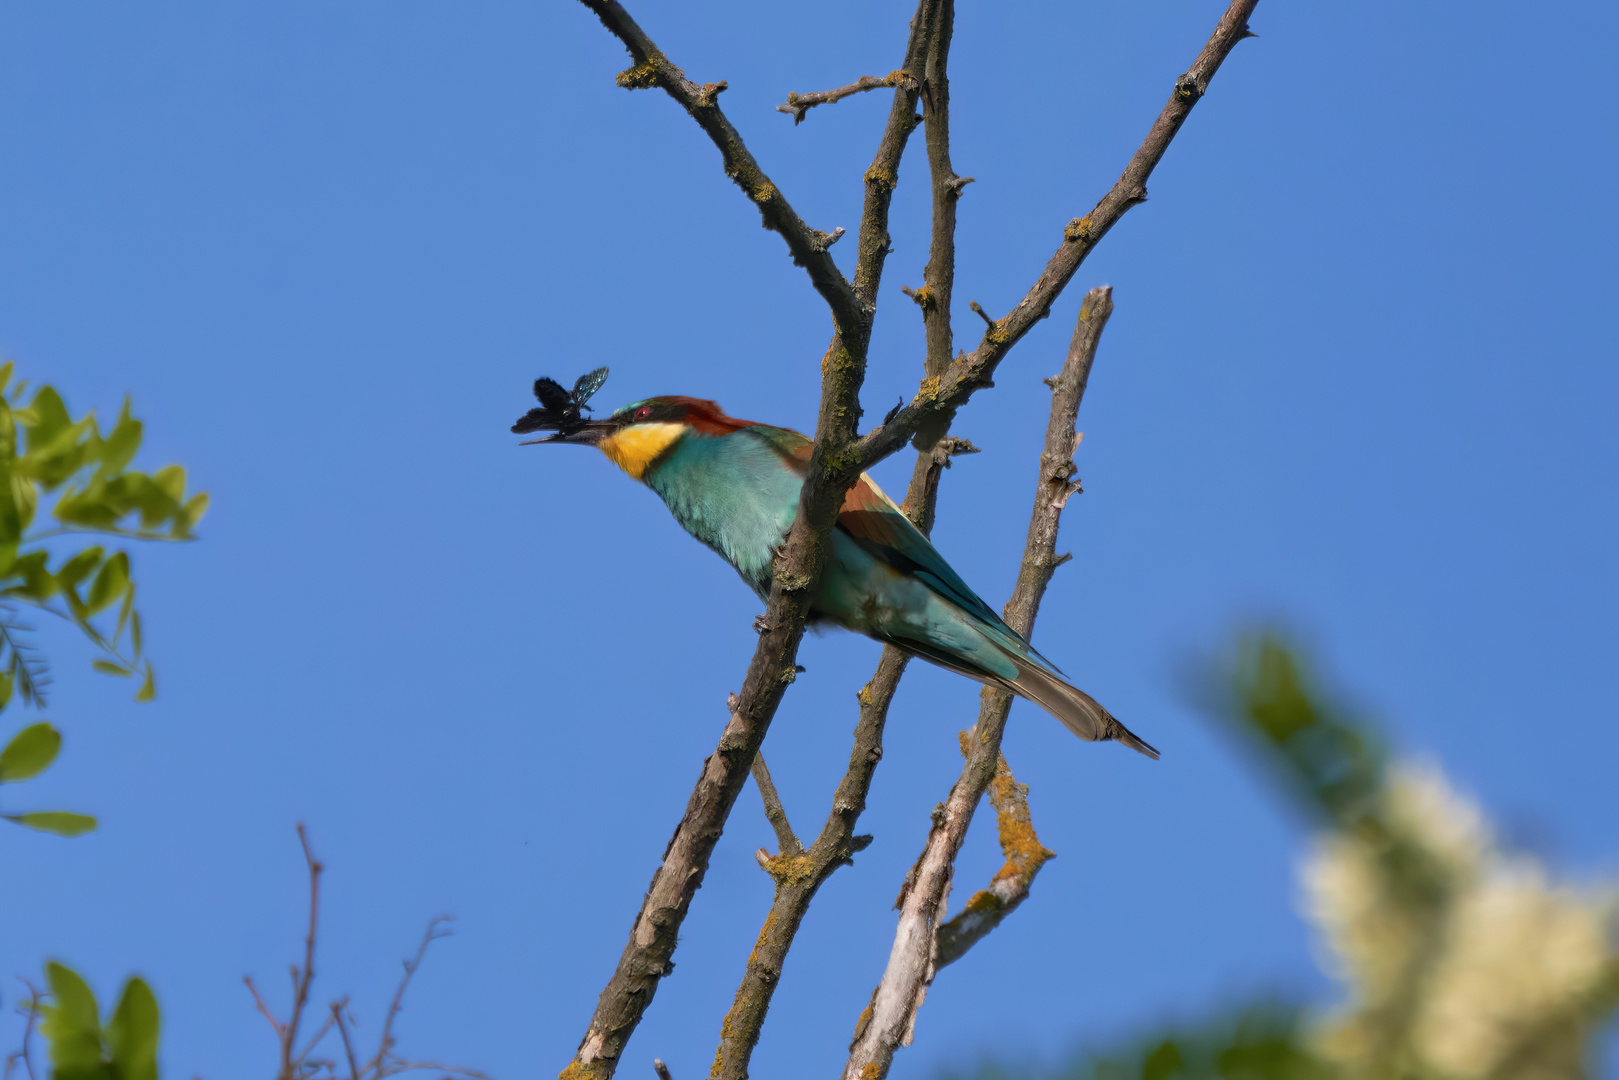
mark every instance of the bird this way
{"type": "Point", "coordinates": [734, 485]}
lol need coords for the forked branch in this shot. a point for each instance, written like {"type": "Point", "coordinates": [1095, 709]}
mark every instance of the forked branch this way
{"type": "Point", "coordinates": [973, 371]}
{"type": "Point", "coordinates": [808, 246]}
{"type": "Point", "coordinates": [647, 955]}
{"type": "Point", "coordinates": [838, 458]}
{"type": "Point", "coordinates": [889, 1021]}
{"type": "Point", "coordinates": [799, 879]}
{"type": "Point", "coordinates": [1024, 856]}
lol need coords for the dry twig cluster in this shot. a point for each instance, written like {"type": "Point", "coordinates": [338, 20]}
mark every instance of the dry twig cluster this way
{"type": "Point", "coordinates": [301, 1064]}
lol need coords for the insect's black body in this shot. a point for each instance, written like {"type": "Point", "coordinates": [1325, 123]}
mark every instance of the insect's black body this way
{"type": "Point", "coordinates": [559, 408]}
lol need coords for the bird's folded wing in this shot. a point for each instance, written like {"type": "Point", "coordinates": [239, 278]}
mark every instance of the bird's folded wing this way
{"type": "Point", "coordinates": [873, 521]}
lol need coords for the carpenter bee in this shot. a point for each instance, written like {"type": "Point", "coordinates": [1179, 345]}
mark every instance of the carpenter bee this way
{"type": "Point", "coordinates": [559, 408]}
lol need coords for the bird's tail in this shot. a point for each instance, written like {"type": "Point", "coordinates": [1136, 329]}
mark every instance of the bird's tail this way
{"type": "Point", "coordinates": [1079, 712]}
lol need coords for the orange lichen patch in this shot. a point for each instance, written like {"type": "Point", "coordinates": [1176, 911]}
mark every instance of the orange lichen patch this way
{"type": "Point", "coordinates": [880, 177]}
{"type": "Point", "coordinates": [870, 1071]}
{"type": "Point", "coordinates": [983, 901]}
{"type": "Point", "coordinates": [1078, 229]}
{"type": "Point", "coordinates": [787, 870]}
{"type": "Point", "coordinates": [643, 76]}
{"type": "Point", "coordinates": [1022, 848]}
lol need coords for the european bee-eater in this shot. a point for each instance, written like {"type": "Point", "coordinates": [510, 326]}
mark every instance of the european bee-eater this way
{"type": "Point", "coordinates": [734, 485]}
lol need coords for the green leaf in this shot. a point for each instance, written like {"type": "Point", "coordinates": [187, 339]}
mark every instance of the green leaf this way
{"type": "Point", "coordinates": [118, 448]}
{"type": "Point", "coordinates": [171, 480]}
{"type": "Point", "coordinates": [49, 415]}
{"type": "Point", "coordinates": [59, 822]}
{"type": "Point", "coordinates": [123, 613]}
{"type": "Point", "coordinates": [148, 689]}
{"type": "Point", "coordinates": [110, 583]}
{"type": "Point", "coordinates": [190, 514]}
{"type": "Point", "coordinates": [37, 583]}
{"type": "Point", "coordinates": [78, 568]}
{"type": "Point", "coordinates": [29, 753]}
{"type": "Point", "coordinates": [72, 1024]}
{"type": "Point", "coordinates": [107, 667]}
{"type": "Point", "coordinates": [133, 1031]}
{"type": "Point", "coordinates": [6, 686]}
{"type": "Point", "coordinates": [135, 631]}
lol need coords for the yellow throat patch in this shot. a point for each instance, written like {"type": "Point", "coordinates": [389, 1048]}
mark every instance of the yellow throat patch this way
{"type": "Point", "coordinates": [635, 447]}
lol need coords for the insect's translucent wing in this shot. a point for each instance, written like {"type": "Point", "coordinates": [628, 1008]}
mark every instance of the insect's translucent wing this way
{"type": "Point", "coordinates": [588, 384]}
{"type": "Point", "coordinates": [550, 393]}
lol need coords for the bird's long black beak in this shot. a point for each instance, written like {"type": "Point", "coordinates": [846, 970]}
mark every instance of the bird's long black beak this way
{"type": "Point", "coordinates": [583, 432]}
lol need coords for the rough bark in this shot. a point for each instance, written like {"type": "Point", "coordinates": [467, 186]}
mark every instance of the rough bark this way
{"type": "Point", "coordinates": [889, 1021]}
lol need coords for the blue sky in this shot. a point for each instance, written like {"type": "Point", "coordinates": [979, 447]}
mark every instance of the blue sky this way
{"type": "Point", "coordinates": [1360, 377]}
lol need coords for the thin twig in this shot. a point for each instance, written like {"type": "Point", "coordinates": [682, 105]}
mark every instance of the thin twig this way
{"type": "Point", "coordinates": [786, 842]}
{"type": "Point", "coordinates": [1010, 886]}
{"type": "Point", "coordinates": [385, 1044]}
{"type": "Point", "coordinates": [889, 1021]}
{"type": "Point", "coordinates": [300, 978]}
{"type": "Point", "coordinates": [973, 371]}
{"type": "Point", "coordinates": [314, 1041]}
{"type": "Point", "coordinates": [343, 1033]}
{"type": "Point", "coordinates": [264, 1010]}
{"type": "Point", "coordinates": [799, 104]}
{"type": "Point", "coordinates": [647, 955]}
{"type": "Point", "coordinates": [661, 1069]}
{"type": "Point", "coordinates": [807, 246]}
{"type": "Point", "coordinates": [26, 1054]}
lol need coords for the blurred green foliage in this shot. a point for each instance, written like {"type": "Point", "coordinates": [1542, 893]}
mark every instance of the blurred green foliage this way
{"type": "Point", "coordinates": [1259, 1043]}
{"type": "Point", "coordinates": [61, 479]}
{"type": "Point", "coordinates": [82, 1047]}
{"type": "Point", "coordinates": [1460, 960]}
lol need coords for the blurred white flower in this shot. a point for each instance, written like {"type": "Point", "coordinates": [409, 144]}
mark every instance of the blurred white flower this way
{"type": "Point", "coordinates": [1451, 974]}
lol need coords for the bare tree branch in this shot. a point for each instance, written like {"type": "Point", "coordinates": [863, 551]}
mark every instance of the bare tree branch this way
{"type": "Point", "coordinates": [808, 246]}
{"type": "Point", "coordinates": [921, 501]}
{"type": "Point", "coordinates": [889, 1021]}
{"type": "Point", "coordinates": [646, 956]}
{"type": "Point", "coordinates": [939, 275]}
{"type": "Point", "coordinates": [264, 1010]}
{"type": "Point", "coordinates": [301, 979]}
{"type": "Point", "coordinates": [1008, 888]}
{"type": "Point", "coordinates": [343, 1033]}
{"type": "Point", "coordinates": [786, 842]}
{"type": "Point", "coordinates": [799, 104]}
{"type": "Point", "coordinates": [837, 460]}
{"type": "Point", "coordinates": [973, 371]}
{"type": "Point", "coordinates": [379, 1064]}
{"type": "Point", "coordinates": [798, 880]}
{"type": "Point", "coordinates": [661, 1069]}
{"type": "Point", "coordinates": [26, 1054]}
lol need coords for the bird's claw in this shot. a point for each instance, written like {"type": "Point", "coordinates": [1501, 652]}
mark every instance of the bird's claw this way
{"type": "Point", "coordinates": [759, 624]}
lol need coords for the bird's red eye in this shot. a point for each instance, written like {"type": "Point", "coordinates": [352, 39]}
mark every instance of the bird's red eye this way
{"type": "Point", "coordinates": [643, 412]}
